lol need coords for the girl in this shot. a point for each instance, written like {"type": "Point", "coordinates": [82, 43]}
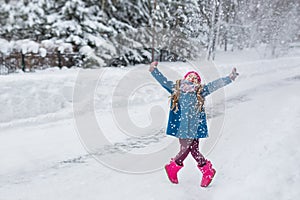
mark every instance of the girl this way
{"type": "Point", "coordinates": [187, 118]}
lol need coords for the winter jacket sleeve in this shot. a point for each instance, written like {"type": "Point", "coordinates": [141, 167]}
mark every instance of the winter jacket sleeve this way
{"type": "Point", "coordinates": [168, 85]}
{"type": "Point", "coordinates": [215, 85]}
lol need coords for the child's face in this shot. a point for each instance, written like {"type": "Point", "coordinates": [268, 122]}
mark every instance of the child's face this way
{"type": "Point", "coordinates": [192, 77]}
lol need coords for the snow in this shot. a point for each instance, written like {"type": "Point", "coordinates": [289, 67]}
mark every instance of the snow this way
{"type": "Point", "coordinates": [97, 25]}
{"type": "Point", "coordinates": [5, 46]}
{"type": "Point", "coordinates": [43, 52]}
{"type": "Point", "coordinates": [65, 46]}
{"type": "Point", "coordinates": [100, 42]}
{"type": "Point", "coordinates": [30, 97]}
{"type": "Point", "coordinates": [52, 17]}
{"type": "Point", "coordinates": [70, 25]}
{"type": "Point", "coordinates": [29, 46]}
{"type": "Point", "coordinates": [86, 50]}
{"type": "Point", "coordinates": [76, 39]}
{"type": "Point", "coordinates": [48, 44]}
{"type": "Point", "coordinates": [90, 54]}
{"type": "Point", "coordinates": [256, 157]}
{"type": "Point", "coordinates": [3, 70]}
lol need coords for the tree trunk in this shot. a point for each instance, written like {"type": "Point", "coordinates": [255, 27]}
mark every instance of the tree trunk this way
{"type": "Point", "coordinates": [213, 30]}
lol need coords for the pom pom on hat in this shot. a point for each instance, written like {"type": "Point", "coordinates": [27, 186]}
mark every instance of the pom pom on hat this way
{"type": "Point", "coordinates": [193, 72]}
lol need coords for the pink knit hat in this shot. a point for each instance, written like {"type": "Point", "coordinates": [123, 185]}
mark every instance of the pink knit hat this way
{"type": "Point", "coordinates": [194, 72]}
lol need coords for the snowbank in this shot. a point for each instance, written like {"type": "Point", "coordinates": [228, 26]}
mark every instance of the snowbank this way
{"type": "Point", "coordinates": [27, 96]}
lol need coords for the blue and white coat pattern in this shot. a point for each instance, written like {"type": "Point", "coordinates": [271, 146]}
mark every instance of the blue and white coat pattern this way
{"type": "Point", "coordinates": [187, 122]}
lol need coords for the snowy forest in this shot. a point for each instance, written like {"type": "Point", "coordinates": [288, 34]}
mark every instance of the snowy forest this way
{"type": "Point", "coordinates": [120, 33]}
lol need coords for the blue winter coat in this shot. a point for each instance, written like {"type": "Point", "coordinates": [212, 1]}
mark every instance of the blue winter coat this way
{"type": "Point", "coordinates": [187, 122]}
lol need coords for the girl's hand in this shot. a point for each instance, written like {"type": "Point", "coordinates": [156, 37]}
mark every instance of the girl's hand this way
{"type": "Point", "coordinates": [153, 65]}
{"type": "Point", "coordinates": [233, 74]}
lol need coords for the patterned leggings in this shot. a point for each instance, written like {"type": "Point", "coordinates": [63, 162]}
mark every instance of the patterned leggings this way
{"type": "Point", "coordinates": [187, 146]}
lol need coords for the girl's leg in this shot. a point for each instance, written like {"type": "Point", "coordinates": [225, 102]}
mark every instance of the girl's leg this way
{"type": "Point", "coordinates": [184, 151]}
{"type": "Point", "coordinates": [194, 148]}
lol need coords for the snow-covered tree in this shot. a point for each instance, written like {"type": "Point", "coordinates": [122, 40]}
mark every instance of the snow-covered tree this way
{"type": "Point", "coordinates": [117, 32]}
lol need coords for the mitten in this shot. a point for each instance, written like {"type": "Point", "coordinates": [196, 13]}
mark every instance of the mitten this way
{"type": "Point", "coordinates": [233, 74]}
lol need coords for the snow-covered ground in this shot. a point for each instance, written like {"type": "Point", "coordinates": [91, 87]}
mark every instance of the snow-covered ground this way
{"type": "Point", "coordinates": [257, 155]}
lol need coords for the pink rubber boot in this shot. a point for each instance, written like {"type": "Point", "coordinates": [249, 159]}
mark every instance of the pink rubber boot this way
{"type": "Point", "coordinates": [172, 170]}
{"type": "Point", "coordinates": [208, 173]}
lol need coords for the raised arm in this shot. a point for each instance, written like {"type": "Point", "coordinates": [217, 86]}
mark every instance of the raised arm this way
{"type": "Point", "coordinates": [219, 83]}
{"type": "Point", "coordinates": [168, 85]}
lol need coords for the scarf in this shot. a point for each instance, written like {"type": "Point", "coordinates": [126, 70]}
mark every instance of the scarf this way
{"type": "Point", "coordinates": [187, 86]}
